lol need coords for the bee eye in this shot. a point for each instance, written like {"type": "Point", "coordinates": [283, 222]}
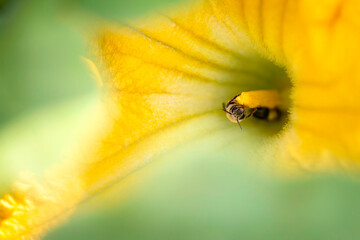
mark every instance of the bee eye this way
{"type": "Point", "coordinates": [239, 111]}
{"type": "Point", "coordinates": [234, 109]}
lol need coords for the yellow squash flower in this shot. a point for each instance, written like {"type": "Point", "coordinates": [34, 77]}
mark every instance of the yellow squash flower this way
{"type": "Point", "coordinates": [166, 76]}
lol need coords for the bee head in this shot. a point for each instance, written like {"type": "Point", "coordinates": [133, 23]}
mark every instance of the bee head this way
{"type": "Point", "coordinates": [234, 112]}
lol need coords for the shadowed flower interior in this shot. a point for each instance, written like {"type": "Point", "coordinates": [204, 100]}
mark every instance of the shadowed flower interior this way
{"type": "Point", "coordinates": [165, 78]}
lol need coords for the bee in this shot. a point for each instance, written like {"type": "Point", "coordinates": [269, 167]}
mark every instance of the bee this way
{"type": "Point", "coordinates": [262, 104]}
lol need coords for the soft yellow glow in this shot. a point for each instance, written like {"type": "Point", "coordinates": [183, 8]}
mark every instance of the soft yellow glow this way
{"type": "Point", "coordinates": [36, 206]}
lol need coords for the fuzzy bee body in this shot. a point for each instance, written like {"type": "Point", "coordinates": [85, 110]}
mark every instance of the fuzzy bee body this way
{"type": "Point", "coordinates": [237, 110]}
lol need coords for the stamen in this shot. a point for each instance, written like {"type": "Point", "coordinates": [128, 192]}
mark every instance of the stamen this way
{"type": "Point", "coordinates": [260, 98]}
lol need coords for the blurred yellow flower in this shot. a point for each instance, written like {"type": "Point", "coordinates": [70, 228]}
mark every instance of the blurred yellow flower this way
{"type": "Point", "coordinates": [166, 76]}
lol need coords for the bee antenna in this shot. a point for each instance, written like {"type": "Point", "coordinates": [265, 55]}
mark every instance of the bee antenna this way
{"type": "Point", "coordinates": [238, 123]}
{"type": "Point", "coordinates": [224, 109]}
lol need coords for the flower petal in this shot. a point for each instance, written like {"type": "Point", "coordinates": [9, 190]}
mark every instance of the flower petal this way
{"type": "Point", "coordinates": [164, 81]}
{"type": "Point", "coordinates": [165, 71]}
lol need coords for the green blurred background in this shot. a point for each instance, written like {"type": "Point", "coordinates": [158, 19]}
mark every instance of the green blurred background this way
{"type": "Point", "coordinates": [45, 86]}
{"type": "Point", "coordinates": [198, 191]}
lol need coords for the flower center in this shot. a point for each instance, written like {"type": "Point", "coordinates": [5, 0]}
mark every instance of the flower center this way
{"type": "Point", "coordinates": [268, 93]}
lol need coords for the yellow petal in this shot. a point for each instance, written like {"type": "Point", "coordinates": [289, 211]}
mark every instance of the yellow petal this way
{"type": "Point", "coordinates": [164, 81]}
{"type": "Point", "coordinates": [168, 76]}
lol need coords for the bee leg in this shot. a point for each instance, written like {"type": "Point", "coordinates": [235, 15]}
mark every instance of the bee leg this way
{"type": "Point", "coordinates": [278, 113]}
{"type": "Point", "coordinates": [253, 110]}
